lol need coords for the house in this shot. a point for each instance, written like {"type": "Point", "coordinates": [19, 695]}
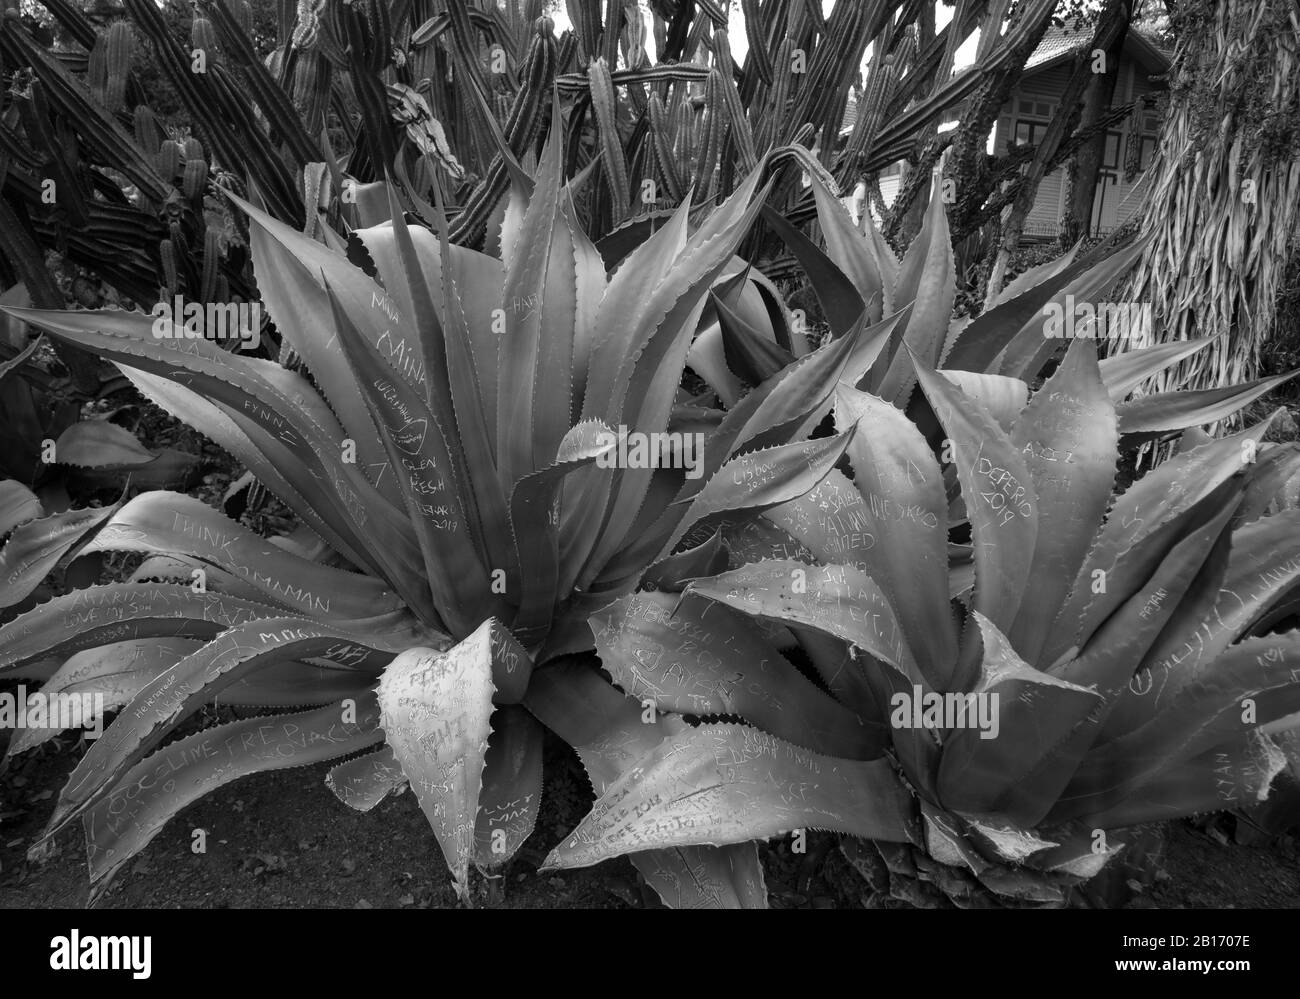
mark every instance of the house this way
{"type": "Point", "coordinates": [1027, 113]}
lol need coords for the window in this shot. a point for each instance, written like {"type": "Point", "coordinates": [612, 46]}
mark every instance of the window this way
{"type": "Point", "coordinates": [1031, 121]}
{"type": "Point", "coordinates": [1148, 151]}
{"type": "Point", "coordinates": [1110, 158]}
{"type": "Point", "coordinates": [1035, 109]}
{"type": "Point", "coordinates": [1030, 132]}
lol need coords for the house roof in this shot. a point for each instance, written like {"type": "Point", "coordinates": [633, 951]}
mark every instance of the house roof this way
{"type": "Point", "coordinates": [1059, 44]}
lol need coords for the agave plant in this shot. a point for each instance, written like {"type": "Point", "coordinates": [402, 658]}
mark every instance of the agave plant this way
{"type": "Point", "coordinates": [464, 453]}
{"type": "Point", "coordinates": [461, 453]}
{"type": "Point", "coordinates": [1123, 642]}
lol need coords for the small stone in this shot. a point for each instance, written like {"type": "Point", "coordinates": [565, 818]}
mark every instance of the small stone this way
{"type": "Point", "coordinates": [363, 904]}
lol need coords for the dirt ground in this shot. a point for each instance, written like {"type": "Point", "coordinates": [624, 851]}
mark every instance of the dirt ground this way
{"type": "Point", "coordinates": [282, 840]}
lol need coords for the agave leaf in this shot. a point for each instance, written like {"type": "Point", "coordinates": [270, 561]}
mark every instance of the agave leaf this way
{"type": "Point", "coordinates": [113, 673]}
{"type": "Point", "coordinates": [1109, 658]}
{"type": "Point", "coordinates": [760, 480]}
{"type": "Point", "coordinates": [253, 399]}
{"type": "Point", "coordinates": [920, 254]}
{"type": "Point", "coordinates": [1132, 706]}
{"type": "Point", "coordinates": [948, 855]}
{"type": "Point", "coordinates": [1003, 397]}
{"type": "Point", "coordinates": [582, 510]}
{"type": "Point", "coordinates": [705, 877]}
{"type": "Point", "coordinates": [755, 538]}
{"type": "Point", "coordinates": [173, 523]}
{"type": "Point", "coordinates": [291, 269]}
{"type": "Point", "coordinates": [646, 384]}
{"type": "Point", "coordinates": [928, 279]}
{"type": "Point", "coordinates": [18, 360]}
{"type": "Point", "coordinates": [295, 685]}
{"type": "Point", "coordinates": [365, 781]}
{"type": "Point", "coordinates": [780, 408]}
{"type": "Point", "coordinates": [1076, 853]}
{"type": "Point", "coordinates": [1230, 776]}
{"type": "Point", "coordinates": [854, 678]}
{"type": "Point", "coordinates": [420, 452]}
{"type": "Point", "coordinates": [1274, 483]}
{"type": "Point", "coordinates": [708, 359]}
{"type": "Point", "coordinates": [436, 714]}
{"type": "Point", "coordinates": [148, 795]}
{"type": "Point", "coordinates": [1000, 498]}
{"type": "Point", "coordinates": [472, 361]}
{"type": "Point", "coordinates": [1142, 525]}
{"type": "Point", "coordinates": [1104, 670]}
{"type": "Point", "coordinates": [477, 285]}
{"type": "Point", "coordinates": [417, 300]}
{"type": "Point", "coordinates": [456, 352]}
{"type": "Point", "coordinates": [1008, 842]}
{"type": "Point", "coordinates": [18, 504]}
{"type": "Point", "coordinates": [1000, 771]}
{"type": "Point", "coordinates": [674, 572]}
{"type": "Point", "coordinates": [1067, 437]}
{"type": "Point", "coordinates": [1034, 276]}
{"type": "Point", "coordinates": [631, 285]}
{"type": "Point", "coordinates": [755, 299]}
{"type": "Point", "coordinates": [97, 443]}
{"type": "Point", "coordinates": [589, 279]}
{"type": "Point", "coordinates": [1264, 566]}
{"type": "Point", "coordinates": [513, 208]}
{"type": "Point", "coordinates": [606, 729]}
{"type": "Point", "coordinates": [642, 542]}
{"type": "Point", "coordinates": [171, 469]}
{"type": "Point", "coordinates": [289, 479]}
{"type": "Point", "coordinates": [838, 600]}
{"type": "Point", "coordinates": [535, 358]}
{"type": "Point", "coordinates": [1178, 410]}
{"type": "Point", "coordinates": [700, 658]}
{"type": "Point", "coordinates": [976, 346]}
{"type": "Point", "coordinates": [751, 356]}
{"type": "Point", "coordinates": [907, 519]}
{"type": "Point", "coordinates": [1026, 353]}
{"type": "Point", "coordinates": [847, 248]}
{"type": "Point", "coordinates": [721, 784]}
{"type": "Point", "coordinates": [179, 692]}
{"type": "Point", "coordinates": [98, 615]}
{"type": "Point", "coordinates": [1125, 371]}
{"type": "Point", "coordinates": [512, 787]}
{"type": "Point", "coordinates": [837, 294]}
{"type": "Point", "coordinates": [534, 521]}
{"type": "Point", "coordinates": [1206, 711]}
{"type": "Point", "coordinates": [830, 521]}
{"type": "Point", "coordinates": [180, 569]}
{"type": "Point", "coordinates": [36, 547]}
